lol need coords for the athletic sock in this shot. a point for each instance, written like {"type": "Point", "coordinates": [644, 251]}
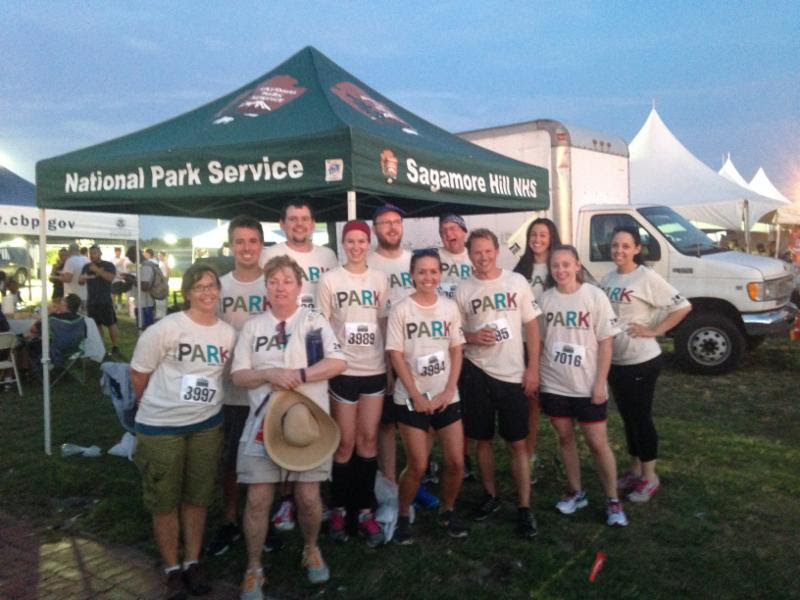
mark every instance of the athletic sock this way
{"type": "Point", "coordinates": [364, 473]}
{"type": "Point", "coordinates": [342, 479]}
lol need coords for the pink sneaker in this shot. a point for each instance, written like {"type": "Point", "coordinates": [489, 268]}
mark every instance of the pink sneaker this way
{"type": "Point", "coordinates": [628, 481]}
{"type": "Point", "coordinates": [369, 529]}
{"type": "Point", "coordinates": [284, 518]}
{"type": "Point", "coordinates": [644, 491]}
{"type": "Point", "coordinates": [337, 525]}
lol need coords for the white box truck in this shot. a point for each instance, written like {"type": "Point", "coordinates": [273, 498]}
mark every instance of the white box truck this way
{"type": "Point", "coordinates": [738, 299]}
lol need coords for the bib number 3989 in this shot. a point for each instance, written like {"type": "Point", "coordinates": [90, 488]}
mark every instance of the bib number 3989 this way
{"type": "Point", "coordinates": [360, 334]}
{"type": "Point", "coordinates": [199, 390]}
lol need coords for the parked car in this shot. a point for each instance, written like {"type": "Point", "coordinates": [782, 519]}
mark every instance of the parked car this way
{"type": "Point", "coordinates": [17, 263]}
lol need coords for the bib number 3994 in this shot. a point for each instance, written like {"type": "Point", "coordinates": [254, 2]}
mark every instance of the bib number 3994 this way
{"type": "Point", "coordinates": [196, 389]}
{"type": "Point", "coordinates": [360, 334]}
{"type": "Point", "coordinates": [571, 355]}
{"type": "Point", "coordinates": [431, 364]}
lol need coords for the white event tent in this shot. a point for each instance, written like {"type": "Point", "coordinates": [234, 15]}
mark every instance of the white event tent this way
{"type": "Point", "coordinates": [731, 173]}
{"type": "Point", "coordinates": [663, 171]}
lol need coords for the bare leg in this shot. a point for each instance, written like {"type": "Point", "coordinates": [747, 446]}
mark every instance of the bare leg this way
{"type": "Point", "coordinates": [165, 529]}
{"type": "Point", "coordinates": [193, 519]}
{"type": "Point", "coordinates": [416, 445]}
{"type": "Point", "coordinates": [309, 510]}
{"type": "Point", "coordinates": [452, 439]}
{"type": "Point", "coordinates": [113, 333]}
{"type": "Point", "coordinates": [256, 520]}
{"type": "Point", "coordinates": [597, 439]}
{"type": "Point", "coordinates": [485, 455]}
{"type": "Point", "coordinates": [533, 425]}
{"type": "Point", "coordinates": [649, 471]}
{"type": "Point", "coordinates": [345, 414]}
{"type": "Point", "coordinates": [387, 450]}
{"type": "Point", "coordinates": [521, 472]}
{"type": "Point", "coordinates": [569, 451]}
{"type": "Point", "coordinates": [368, 419]}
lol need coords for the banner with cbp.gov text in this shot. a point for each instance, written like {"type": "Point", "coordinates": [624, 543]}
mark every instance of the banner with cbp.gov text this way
{"type": "Point", "coordinates": [24, 220]}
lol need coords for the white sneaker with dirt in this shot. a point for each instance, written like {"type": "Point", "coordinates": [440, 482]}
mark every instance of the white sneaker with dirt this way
{"type": "Point", "coordinates": [572, 502]}
{"type": "Point", "coordinates": [317, 570]}
{"type": "Point", "coordinates": [644, 491]}
{"type": "Point", "coordinates": [284, 518]}
{"type": "Point", "coordinates": [615, 516]}
{"type": "Point", "coordinates": [251, 585]}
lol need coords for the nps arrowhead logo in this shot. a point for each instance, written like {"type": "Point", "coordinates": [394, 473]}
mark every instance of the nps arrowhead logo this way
{"type": "Point", "coordinates": [267, 96]}
{"type": "Point", "coordinates": [376, 111]}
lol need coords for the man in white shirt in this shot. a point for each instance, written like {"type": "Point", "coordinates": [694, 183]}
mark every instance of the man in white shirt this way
{"type": "Point", "coordinates": [456, 266]}
{"type": "Point", "coordinates": [297, 223]}
{"type": "Point", "coordinates": [495, 384]}
{"type": "Point", "coordinates": [146, 273]}
{"type": "Point", "coordinates": [122, 265]}
{"type": "Point", "coordinates": [72, 272]}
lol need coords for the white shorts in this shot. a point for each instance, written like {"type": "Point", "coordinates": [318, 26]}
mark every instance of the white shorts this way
{"type": "Point", "coordinates": [262, 469]}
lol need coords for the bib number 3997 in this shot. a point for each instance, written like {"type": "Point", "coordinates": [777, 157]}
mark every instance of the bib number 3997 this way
{"type": "Point", "coordinates": [199, 390]}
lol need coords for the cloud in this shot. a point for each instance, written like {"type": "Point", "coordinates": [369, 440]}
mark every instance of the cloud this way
{"type": "Point", "coordinates": [142, 45]}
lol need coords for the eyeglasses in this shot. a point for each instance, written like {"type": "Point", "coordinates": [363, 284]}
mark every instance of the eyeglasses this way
{"type": "Point", "coordinates": [280, 329]}
{"type": "Point", "coordinates": [426, 252]}
{"type": "Point", "coordinates": [389, 223]}
{"type": "Point", "coordinates": [202, 289]}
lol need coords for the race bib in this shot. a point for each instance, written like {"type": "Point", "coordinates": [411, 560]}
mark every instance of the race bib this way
{"type": "Point", "coordinates": [198, 389]}
{"type": "Point", "coordinates": [448, 289]}
{"type": "Point", "coordinates": [502, 332]}
{"type": "Point", "coordinates": [360, 334]}
{"type": "Point", "coordinates": [571, 355]}
{"type": "Point", "coordinates": [305, 301]}
{"type": "Point", "coordinates": [431, 364]}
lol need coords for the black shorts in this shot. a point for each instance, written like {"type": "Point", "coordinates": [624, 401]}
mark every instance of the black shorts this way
{"type": "Point", "coordinates": [482, 396]}
{"type": "Point", "coordinates": [349, 388]}
{"type": "Point", "coordinates": [568, 407]}
{"type": "Point", "coordinates": [103, 314]}
{"type": "Point", "coordinates": [388, 416]}
{"type": "Point", "coordinates": [233, 420]}
{"type": "Point", "coordinates": [443, 418]}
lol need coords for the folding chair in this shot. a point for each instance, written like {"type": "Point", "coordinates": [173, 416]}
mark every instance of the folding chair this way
{"type": "Point", "coordinates": [8, 341]}
{"type": "Point", "coordinates": [67, 340]}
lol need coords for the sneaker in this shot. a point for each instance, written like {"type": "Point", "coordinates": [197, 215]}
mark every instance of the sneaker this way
{"type": "Point", "coordinates": [284, 518]}
{"type": "Point", "coordinates": [533, 462]}
{"type": "Point", "coordinates": [431, 473]}
{"type": "Point", "coordinates": [614, 514]}
{"type": "Point", "coordinates": [223, 539]}
{"type": "Point", "coordinates": [628, 481]}
{"type": "Point", "coordinates": [526, 523]}
{"type": "Point", "coordinates": [402, 533]}
{"type": "Point", "coordinates": [489, 505]}
{"type": "Point", "coordinates": [644, 491]}
{"type": "Point", "coordinates": [174, 586]}
{"type": "Point", "coordinates": [369, 529]}
{"type": "Point", "coordinates": [196, 581]}
{"type": "Point", "coordinates": [317, 570]}
{"type": "Point", "coordinates": [572, 502]}
{"type": "Point", "coordinates": [425, 499]}
{"type": "Point", "coordinates": [253, 581]}
{"type": "Point", "coordinates": [455, 529]}
{"type": "Point", "coordinates": [273, 543]}
{"type": "Point", "coordinates": [469, 474]}
{"type": "Point", "coordinates": [337, 526]}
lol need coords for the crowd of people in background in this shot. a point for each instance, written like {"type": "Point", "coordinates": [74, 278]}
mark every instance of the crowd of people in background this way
{"type": "Point", "coordinates": [296, 369]}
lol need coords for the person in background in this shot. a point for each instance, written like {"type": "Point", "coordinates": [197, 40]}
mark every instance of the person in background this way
{"type": "Point", "coordinates": [271, 355]}
{"type": "Point", "coordinates": [177, 371]}
{"type": "Point", "coordinates": [647, 307]}
{"type": "Point", "coordinates": [579, 326]}
{"type": "Point", "coordinates": [353, 299]}
{"type": "Point", "coordinates": [71, 273]}
{"type": "Point", "coordinates": [146, 272]}
{"type": "Point", "coordinates": [496, 382]}
{"type": "Point", "coordinates": [55, 274]}
{"type": "Point", "coordinates": [97, 276]}
{"type": "Point", "coordinates": [122, 266]}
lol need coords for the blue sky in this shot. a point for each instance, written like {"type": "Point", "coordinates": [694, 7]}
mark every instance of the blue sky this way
{"type": "Point", "coordinates": [725, 75]}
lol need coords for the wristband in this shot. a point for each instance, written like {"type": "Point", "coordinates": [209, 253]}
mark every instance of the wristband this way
{"type": "Point", "coordinates": [303, 375]}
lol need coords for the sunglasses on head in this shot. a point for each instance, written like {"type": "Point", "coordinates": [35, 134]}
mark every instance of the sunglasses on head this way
{"type": "Point", "coordinates": [425, 252]}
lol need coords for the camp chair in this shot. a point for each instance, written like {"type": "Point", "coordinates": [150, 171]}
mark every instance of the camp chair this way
{"type": "Point", "coordinates": [8, 340]}
{"type": "Point", "coordinates": [67, 339]}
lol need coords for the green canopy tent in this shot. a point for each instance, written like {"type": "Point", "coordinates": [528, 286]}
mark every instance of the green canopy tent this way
{"type": "Point", "coordinates": [307, 129]}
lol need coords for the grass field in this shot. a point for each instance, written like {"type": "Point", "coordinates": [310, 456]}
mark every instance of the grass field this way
{"type": "Point", "coordinates": [725, 524]}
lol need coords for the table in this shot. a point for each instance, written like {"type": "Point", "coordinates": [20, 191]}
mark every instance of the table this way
{"type": "Point", "coordinates": [20, 326]}
{"type": "Point", "coordinates": [93, 347]}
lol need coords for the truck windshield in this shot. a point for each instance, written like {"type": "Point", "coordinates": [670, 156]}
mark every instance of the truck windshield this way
{"type": "Point", "coordinates": [685, 237]}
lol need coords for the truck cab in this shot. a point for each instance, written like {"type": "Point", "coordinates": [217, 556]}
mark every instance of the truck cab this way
{"type": "Point", "coordinates": [737, 298]}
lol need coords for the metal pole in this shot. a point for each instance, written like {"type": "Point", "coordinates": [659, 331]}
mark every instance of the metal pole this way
{"type": "Point", "coordinates": [139, 309]}
{"type": "Point", "coordinates": [351, 205]}
{"type": "Point", "coordinates": [45, 330]}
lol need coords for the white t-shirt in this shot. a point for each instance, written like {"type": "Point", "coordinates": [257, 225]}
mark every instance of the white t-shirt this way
{"type": "Point", "coordinates": [397, 272]}
{"type": "Point", "coordinates": [123, 265]}
{"type": "Point", "coordinates": [258, 347]}
{"type": "Point", "coordinates": [187, 361]}
{"type": "Point", "coordinates": [505, 303]}
{"type": "Point", "coordinates": [74, 265]}
{"type": "Point", "coordinates": [643, 297]}
{"type": "Point", "coordinates": [147, 272]}
{"type": "Point", "coordinates": [573, 326]}
{"type": "Point", "coordinates": [424, 334]}
{"type": "Point", "coordinates": [238, 300]}
{"type": "Point", "coordinates": [455, 269]}
{"type": "Point", "coordinates": [354, 304]}
{"type": "Point", "coordinates": [313, 264]}
{"type": "Point", "coordinates": [538, 279]}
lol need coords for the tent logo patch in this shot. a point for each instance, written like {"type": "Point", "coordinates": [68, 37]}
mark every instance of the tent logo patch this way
{"type": "Point", "coordinates": [334, 169]}
{"type": "Point", "coordinates": [369, 107]}
{"type": "Point", "coordinates": [268, 96]}
{"type": "Point", "coordinates": [389, 165]}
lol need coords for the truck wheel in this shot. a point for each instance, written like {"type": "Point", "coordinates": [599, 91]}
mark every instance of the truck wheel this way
{"type": "Point", "coordinates": [708, 344]}
{"type": "Point", "coordinates": [21, 276]}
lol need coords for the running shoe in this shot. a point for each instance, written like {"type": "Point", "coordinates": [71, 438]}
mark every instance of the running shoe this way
{"type": "Point", "coordinates": [337, 525]}
{"type": "Point", "coordinates": [402, 533]}
{"type": "Point", "coordinates": [251, 585]}
{"type": "Point", "coordinates": [174, 586]}
{"type": "Point", "coordinates": [425, 499]}
{"type": "Point", "coordinates": [317, 570]}
{"type": "Point", "coordinates": [369, 529]}
{"type": "Point", "coordinates": [526, 523]}
{"type": "Point", "coordinates": [534, 466]}
{"type": "Point", "coordinates": [284, 518]}
{"type": "Point", "coordinates": [431, 473]}
{"type": "Point", "coordinates": [628, 481]}
{"type": "Point", "coordinates": [273, 543]}
{"type": "Point", "coordinates": [572, 502]}
{"type": "Point", "coordinates": [615, 516]}
{"type": "Point", "coordinates": [489, 505]}
{"type": "Point", "coordinates": [455, 529]}
{"type": "Point", "coordinates": [223, 539]}
{"type": "Point", "coordinates": [196, 581]}
{"type": "Point", "coordinates": [469, 474]}
{"type": "Point", "coordinates": [644, 491]}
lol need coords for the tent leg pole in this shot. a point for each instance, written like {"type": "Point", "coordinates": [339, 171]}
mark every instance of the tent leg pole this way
{"type": "Point", "coordinates": [45, 331]}
{"type": "Point", "coordinates": [351, 205]}
{"type": "Point", "coordinates": [139, 309]}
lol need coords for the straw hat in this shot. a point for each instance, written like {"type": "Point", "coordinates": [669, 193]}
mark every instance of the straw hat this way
{"type": "Point", "coordinates": [298, 434]}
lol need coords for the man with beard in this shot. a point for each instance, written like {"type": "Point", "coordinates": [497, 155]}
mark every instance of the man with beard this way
{"type": "Point", "coordinates": [297, 223]}
{"type": "Point", "coordinates": [97, 276]}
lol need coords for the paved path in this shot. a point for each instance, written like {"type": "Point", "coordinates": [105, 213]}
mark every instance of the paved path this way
{"type": "Point", "coordinates": [76, 568]}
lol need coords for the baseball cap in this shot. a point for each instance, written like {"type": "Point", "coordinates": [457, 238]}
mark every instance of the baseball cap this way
{"type": "Point", "coordinates": [387, 208]}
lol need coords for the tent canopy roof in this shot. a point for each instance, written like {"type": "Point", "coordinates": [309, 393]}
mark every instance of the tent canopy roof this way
{"type": "Point", "coordinates": [306, 129]}
{"type": "Point", "coordinates": [664, 172]}
{"type": "Point", "coordinates": [761, 183]}
{"type": "Point", "coordinates": [731, 173]}
{"type": "Point", "coordinates": [16, 190]}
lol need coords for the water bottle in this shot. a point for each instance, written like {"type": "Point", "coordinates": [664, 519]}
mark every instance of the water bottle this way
{"type": "Point", "coordinates": [314, 349]}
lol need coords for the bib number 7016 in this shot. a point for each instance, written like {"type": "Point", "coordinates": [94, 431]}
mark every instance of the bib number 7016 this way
{"type": "Point", "coordinates": [571, 355]}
